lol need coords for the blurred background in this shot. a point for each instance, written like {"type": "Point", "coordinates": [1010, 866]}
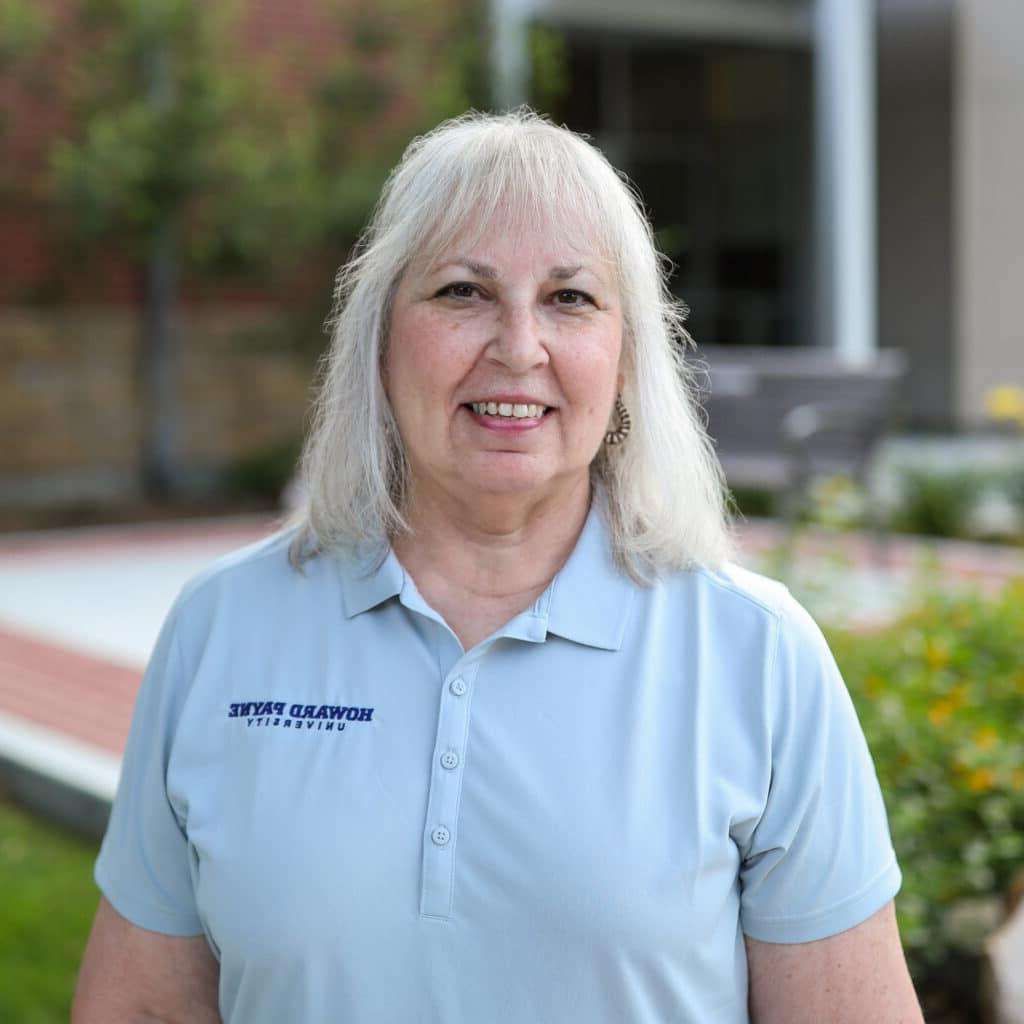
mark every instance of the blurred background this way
{"type": "Point", "coordinates": [178, 182]}
{"type": "Point", "coordinates": [838, 186]}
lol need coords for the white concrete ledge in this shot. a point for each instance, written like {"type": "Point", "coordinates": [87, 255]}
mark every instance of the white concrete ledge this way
{"type": "Point", "coordinates": [65, 779]}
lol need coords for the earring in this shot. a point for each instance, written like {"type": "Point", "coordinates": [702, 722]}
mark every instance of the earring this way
{"type": "Point", "coordinates": [618, 433]}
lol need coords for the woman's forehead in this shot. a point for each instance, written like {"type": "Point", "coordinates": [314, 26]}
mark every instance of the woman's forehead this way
{"type": "Point", "coordinates": [573, 240]}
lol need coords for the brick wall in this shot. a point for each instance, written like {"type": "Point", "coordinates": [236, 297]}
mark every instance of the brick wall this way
{"type": "Point", "coordinates": [70, 407]}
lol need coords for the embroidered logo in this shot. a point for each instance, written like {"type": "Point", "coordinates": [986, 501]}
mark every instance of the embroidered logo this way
{"type": "Point", "coordinates": [300, 717]}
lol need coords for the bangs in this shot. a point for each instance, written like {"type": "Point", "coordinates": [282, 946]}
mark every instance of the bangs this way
{"type": "Point", "coordinates": [539, 181]}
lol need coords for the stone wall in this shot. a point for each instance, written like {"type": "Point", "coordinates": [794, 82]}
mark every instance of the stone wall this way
{"type": "Point", "coordinates": [70, 406]}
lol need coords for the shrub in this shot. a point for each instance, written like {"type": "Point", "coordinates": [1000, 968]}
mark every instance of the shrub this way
{"type": "Point", "coordinates": [754, 501]}
{"type": "Point", "coordinates": [936, 504]}
{"type": "Point", "coordinates": [265, 473]}
{"type": "Point", "coordinates": [941, 699]}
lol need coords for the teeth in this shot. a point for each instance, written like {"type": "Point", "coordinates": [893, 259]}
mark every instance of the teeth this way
{"type": "Point", "coordinates": [517, 411]}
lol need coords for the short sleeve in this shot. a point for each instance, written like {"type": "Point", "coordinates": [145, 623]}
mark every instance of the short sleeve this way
{"type": "Point", "coordinates": [820, 859]}
{"type": "Point", "coordinates": [143, 865]}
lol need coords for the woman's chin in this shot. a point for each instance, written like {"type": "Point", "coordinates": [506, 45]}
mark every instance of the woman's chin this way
{"type": "Point", "coordinates": [518, 477]}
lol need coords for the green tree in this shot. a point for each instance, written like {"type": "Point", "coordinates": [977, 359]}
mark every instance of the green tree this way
{"type": "Point", "coordinates": [178, 153]}
{"type": "Point", "coordinates": [22, 27]}
{"type": "Point", "coordinates": [23, 30]}
{"type": "Point", "coordinates": [188, 153]}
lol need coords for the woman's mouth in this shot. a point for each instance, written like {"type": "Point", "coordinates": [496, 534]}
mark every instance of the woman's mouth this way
{"type": "Point", "coordinates": [509, 410]}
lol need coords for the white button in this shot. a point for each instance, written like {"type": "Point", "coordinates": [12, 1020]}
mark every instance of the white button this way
{"type": "Point", "coordinates": [449, 760]}
{"type": "Point", "coordinates": [440, 836]}
{"type": "Point", "coordinates": [458, 686]}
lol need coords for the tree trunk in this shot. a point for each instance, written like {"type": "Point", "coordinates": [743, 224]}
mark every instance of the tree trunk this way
{"type": "Point", "coordinates": [159, 342]}
{"type": "Point", "coordinates": [160, 364]}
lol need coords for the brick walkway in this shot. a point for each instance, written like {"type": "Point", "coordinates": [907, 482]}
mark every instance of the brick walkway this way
{"type": "Point", "coordinates": [83, 697]}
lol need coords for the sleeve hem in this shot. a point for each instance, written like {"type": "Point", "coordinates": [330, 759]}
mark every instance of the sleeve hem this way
{"type": "Point", "coordinates": [152, 919]}
{"type": "Point", "coordinates": [833, 920]}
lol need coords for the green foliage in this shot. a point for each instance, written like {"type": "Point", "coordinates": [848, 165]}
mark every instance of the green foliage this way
{"type": "Point", "coordinates": [48, 902]}
{"type": "Point", "coordinates": [23, 30]}
{"type": "Point", "coordinates": [266, 473]}
{"type": "Point", "coordinates": [549, 66]}
{"type": "Point", "coordinates": [402, 73]}
{"type": "Point", "coordinates": [936, 504]}
{"type": "Point", "coordinates": [977, 503]}
{"type": "Point", "coordinates": [172, 125]}
{"type": "Point", "coordinates": [753, 501]}
{"type": "Point", "coordinates": [175, 122]}
{"type": "Point", "coordinates": [837, 501]}
{"type": "Point", "coordinates": [23, 26]}
{"type": "Point", "coordinates": [941, 699]}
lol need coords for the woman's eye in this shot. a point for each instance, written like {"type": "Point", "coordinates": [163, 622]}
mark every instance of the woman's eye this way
{"type": "Point", "coordinates": [572, 297]}
{"type": "Point", "coordinates": [460, 290]}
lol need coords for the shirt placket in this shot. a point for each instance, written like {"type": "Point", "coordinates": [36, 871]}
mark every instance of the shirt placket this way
{"type": "Point", "coordinates": [448, 764]}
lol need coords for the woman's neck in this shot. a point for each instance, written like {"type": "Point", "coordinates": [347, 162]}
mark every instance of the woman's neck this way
{"type": "Point", "coordinates": [480, 564]}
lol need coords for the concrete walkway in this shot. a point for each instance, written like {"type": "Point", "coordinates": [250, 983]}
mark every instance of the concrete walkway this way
{"type": "Point", "coordinates": [80, 611]}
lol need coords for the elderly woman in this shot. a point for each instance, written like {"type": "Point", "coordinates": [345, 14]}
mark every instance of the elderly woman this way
{"type": "Point", "coordinates": [494, 733]}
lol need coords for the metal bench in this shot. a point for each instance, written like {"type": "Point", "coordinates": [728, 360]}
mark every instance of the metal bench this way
{"type": "Point", "coordinates": [782, 416]}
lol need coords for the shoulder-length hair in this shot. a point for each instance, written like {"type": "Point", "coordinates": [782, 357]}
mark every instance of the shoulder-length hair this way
{"type": "Point", "coordinates": [664, 494]}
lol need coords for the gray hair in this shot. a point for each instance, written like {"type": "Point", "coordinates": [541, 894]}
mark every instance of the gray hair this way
{"type": "Point", "coordinates": [663, 487]}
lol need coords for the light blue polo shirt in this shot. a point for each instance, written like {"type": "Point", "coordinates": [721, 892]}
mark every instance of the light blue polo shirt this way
{"type": "Point", "coordinates": [576, 820]}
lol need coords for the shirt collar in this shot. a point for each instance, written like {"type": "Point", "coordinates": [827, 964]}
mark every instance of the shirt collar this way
{"type": "Point", "coordinates": [368, 580]}
{"type": "Point", "coordinates": [589, 599]}
{"type": "Point", "coordinates": [587, 602]}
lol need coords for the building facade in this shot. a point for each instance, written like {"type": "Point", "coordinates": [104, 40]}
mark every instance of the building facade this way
{"type": "Point", "coordinates": [835, 173]}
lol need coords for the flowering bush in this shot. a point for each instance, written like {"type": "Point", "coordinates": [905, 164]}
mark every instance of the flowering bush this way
{"type": "Point", "coordinates": [1006, 403]}
{"type": "Point", "coordinates": [941, 699]}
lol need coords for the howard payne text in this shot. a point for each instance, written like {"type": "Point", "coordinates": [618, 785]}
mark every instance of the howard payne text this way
{"type": "Point", "coordinates": [301, 717]}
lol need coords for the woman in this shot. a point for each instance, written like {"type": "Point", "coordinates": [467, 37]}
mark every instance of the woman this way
{"type": "Point", "coordinates": [494, 732]}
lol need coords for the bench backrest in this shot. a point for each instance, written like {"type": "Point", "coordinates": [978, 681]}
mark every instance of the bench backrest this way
{"type": "Point", "coordinates": [797, 403]}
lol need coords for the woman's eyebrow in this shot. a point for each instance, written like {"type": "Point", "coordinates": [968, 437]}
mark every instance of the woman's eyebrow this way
{"type": "Point", "coordinates": [486, 271]}
{"type": "Point", "coordinates": [564, 273]}
{"type": "Point", "coordinates": [480, 269]}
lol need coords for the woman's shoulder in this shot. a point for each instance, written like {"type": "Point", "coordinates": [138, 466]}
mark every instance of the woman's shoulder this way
{"type": "Point", "coordinates": [261, 563]}
{"type": "Point", "coordinates": [261, 575]}
{"type": "Point", "coordinates": [732, 586]}
{"type": "Point", "coordinates": [738, 599]}
{"type": "Point", "coordinates": [734, 582]}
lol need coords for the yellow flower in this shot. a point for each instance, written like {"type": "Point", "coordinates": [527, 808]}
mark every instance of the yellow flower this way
{"type": "Point", "coordinates": [939, 712]}
{"type": "Point", "coordinates": [981, 780]}
{"type": "Point", "coordinates": [1005, 403]}
{"type": "Point", "coordinates": [936, 653]}
{"type": "Point", "coordinates": [986, 738]}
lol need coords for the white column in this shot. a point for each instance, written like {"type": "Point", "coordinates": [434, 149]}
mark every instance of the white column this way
{"type": "Point", "coordinates": [846, 165]}
{"type": "Point", "coordinates": [510, 53]}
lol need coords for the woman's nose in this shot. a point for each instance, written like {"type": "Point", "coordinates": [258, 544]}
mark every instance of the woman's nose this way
{"type": "Point", "coordinates": [519, 342]}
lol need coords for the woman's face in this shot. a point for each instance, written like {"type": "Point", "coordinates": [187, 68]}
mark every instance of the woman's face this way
{"type": "Point", "coordinates": [503, 362]}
